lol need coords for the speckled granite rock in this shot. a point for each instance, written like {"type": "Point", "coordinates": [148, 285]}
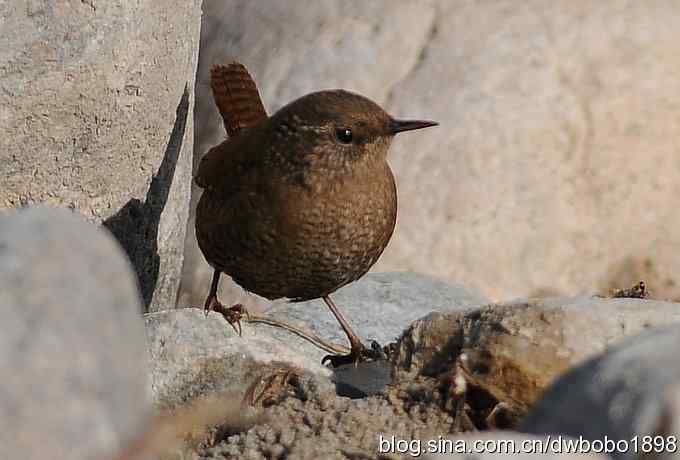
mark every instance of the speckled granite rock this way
{"type": "Point", "coordinates": [96, 104]}
{"type": "Point", "coordinates": [72, 349]}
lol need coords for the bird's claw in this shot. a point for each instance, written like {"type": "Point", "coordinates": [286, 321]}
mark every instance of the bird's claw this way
{"type": "Point", "coordinates": [358, 354]}
{"type": "Point", "coordinates": [233, 314]}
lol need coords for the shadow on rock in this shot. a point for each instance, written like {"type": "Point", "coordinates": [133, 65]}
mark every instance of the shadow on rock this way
{"type": "Point", "coordinates": [135, 225]}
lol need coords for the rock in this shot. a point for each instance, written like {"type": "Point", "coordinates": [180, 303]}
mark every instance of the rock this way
{"type": "Point", "coordinates": [378, 307]}
{"type": "Point", "coordinates": [552, 171]}
{"type": "Point", "coordinates": [511, 352]}
{"type": "Point", "coordinates": [500, 444]}
{"type": "Point", "coordinates": [192, 354]}
{"type": "Point", "coordinates": [630, 391]}
{"type": "Point", "coordinates": [96, 101]}
{"type": "Point", "coordinates": [72, 348]}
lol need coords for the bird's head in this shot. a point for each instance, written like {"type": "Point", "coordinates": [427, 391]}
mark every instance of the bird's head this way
{"type": "Point", "coordinates": [338, 130]}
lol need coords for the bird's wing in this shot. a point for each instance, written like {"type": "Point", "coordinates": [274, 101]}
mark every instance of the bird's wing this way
{"type": "Point", "coordinates": [236, 97]}
{"type": "Point", "coordinates": [227, 166]}
{"type": "Point", "coordinates": [240, 105]}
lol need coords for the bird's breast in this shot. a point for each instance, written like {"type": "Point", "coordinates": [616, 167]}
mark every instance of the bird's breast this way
{"type": "Point", "coordinates": [354, 211]}
{"type": "Point", "coordinates": [301, 241]}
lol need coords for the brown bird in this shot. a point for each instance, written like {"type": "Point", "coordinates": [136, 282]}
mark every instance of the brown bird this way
{"type": "Point", "coordinates": [298, 204]}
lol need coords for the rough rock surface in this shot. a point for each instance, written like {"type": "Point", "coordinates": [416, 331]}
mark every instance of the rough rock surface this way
{"type": "Point", "coordinates": [538, 145]}
{"type": "Point", "coordinates": [379, 307]}
{"type": "Point", "coordinates": [72, 354]}
{"type": "Point", "coordinates": [514, 351]}
{"type": "Point", "coordinates": [96, 100]}
{"type": "Point", "coordinates": [632, 390]}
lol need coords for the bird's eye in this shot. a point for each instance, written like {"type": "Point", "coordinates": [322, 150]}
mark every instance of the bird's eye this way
{"type": "Point", "coordinates": [344, 135]}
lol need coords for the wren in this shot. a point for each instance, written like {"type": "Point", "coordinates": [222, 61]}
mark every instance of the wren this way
{"type": "Point", "coordinates": [298, 204]}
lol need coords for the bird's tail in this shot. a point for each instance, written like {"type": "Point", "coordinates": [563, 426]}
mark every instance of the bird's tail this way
{"type": "Point", "coordinates": [236, 97]}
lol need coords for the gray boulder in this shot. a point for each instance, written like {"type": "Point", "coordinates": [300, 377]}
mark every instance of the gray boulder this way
{"type": "Point", "coordinates": [72, 348]}
{"type": "Point", "coordinates": [632, 390]}
{"type": "Point", "coordinates": [96, 111]}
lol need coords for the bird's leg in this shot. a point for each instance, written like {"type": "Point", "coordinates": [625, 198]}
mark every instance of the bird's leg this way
{"type": "Point", "coordinates": [212, 301]}
{"type": "Point", "coordinates": [233, 314]}
{"type": "Point", "coordinates": [358, 351]}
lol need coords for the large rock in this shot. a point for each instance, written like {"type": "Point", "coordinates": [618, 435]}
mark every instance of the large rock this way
{"type": "Point", "coordinates": [95, 107]}
{"type": "Point", "coordinates": [551, 171]}
{"type": "Point", "coordinates": [72, 344]}
{"type": "Point", "coordinates": [631, 392]}
{"type": "Point", "coordinates": [511, 352]}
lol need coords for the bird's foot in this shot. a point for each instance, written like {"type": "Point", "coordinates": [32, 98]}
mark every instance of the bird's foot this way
{"type": "Point", "coordinates": [232, 314]}
{"type": "Point", "coordinates": [359, 353]}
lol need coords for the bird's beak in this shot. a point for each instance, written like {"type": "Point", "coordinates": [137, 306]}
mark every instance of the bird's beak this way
{"type": "Point", "coordinates": [398, 126]}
